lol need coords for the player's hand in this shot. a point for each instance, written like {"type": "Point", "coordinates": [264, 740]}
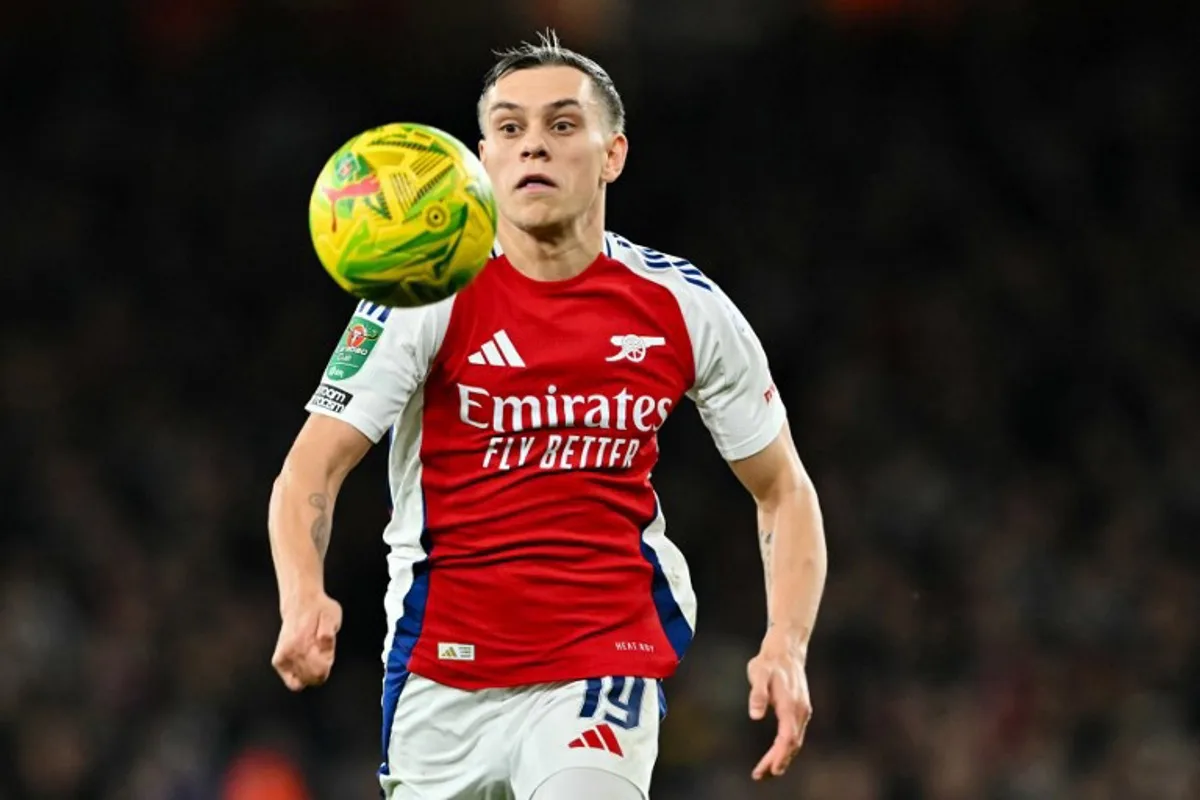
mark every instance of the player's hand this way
{"type": "Point", "coordinates": [307, 638]}
{"type": "Point", "coordinates": [777, 680]}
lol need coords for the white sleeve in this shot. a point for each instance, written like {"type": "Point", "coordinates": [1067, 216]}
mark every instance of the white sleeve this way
{"type": "Point", "coordinates": [382, 358]}
{"type": "Point", "coordinates": [734, 392]}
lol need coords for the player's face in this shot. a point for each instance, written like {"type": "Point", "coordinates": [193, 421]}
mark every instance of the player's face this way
{"type": "Point", "coordinates": [547, 147]}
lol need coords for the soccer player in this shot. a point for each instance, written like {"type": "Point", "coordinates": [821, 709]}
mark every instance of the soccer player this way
{"type": "Point", "coordinates": [535, 604]}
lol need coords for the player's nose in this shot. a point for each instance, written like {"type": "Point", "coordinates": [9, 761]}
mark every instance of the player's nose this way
{"type": "Point", "coordinates": [534, 146]}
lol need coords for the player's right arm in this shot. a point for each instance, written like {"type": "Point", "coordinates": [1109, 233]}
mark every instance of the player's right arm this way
{"type": "Point", "coordinates": [380, 362]}
{"type": "Point", "coordinates": [299, 521]}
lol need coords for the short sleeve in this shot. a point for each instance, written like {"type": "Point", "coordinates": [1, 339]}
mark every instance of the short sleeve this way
{"type": "Point", "coordinates": [381, 359]}
{"type": "Point", "coordinates": [734, 392]}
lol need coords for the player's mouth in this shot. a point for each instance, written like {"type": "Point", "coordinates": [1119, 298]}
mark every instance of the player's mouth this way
{"type": "Point", "coordinates": [535, 183]}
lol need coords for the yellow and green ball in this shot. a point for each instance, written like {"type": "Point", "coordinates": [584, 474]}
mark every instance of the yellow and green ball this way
{"type": "Point", "coordinates": [403, 215]}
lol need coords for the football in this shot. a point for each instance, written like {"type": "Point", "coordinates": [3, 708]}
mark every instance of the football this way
{"type": "Point", "coordinates": [403, 215]}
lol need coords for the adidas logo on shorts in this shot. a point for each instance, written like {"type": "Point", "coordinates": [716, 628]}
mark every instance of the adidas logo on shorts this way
{"type": "Point", "coordinates": [600, 737]}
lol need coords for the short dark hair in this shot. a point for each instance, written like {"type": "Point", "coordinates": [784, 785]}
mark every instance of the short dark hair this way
{"type": "Point", "coordinates": [547, 52]}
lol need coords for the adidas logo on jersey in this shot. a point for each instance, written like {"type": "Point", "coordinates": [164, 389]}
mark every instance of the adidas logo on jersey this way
{"type": "Point", "coordinates": [600, 737]}
{"type": "Point", "coordinates": [497, 351]}
{"type": "Point", "coordinates": [453, 651]}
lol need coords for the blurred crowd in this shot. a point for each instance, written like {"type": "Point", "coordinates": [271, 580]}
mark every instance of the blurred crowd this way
{"type": "Point", "coordinates": [970, 242]}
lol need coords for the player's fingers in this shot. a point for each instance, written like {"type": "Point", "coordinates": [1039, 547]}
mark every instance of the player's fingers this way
{"type": "Point", "coordinates": [803, 715]}
{"type": "Point", "coordinates": [763, 768]}
{"type": "Point", "coordinates": [787, 735]}
{"type": "Point", "coordinates": [767, 765]}
{"type": "Point", "coordinates": [775, 762]}
{"type": "Point", "coordinates": [782, 762]}
{"type": "Point", "coordinates": [783, 751]}
{"type": "Point", "coordinates": [324, 666]}
{"type": "Point", "coordinates": [291, 680]}
{"type": "Point", "coordinates": [787, 730]}
{"type": "Point", "coordinates": [305, 669]}
{"type": "Point", "coordinates": [328, 625]}
{"type": "Point", "coordinates": [760, 690]}
{"type": "Point", "coordinates": [281, 660]}
{"type": "Point", "coordinates": [316, 666]}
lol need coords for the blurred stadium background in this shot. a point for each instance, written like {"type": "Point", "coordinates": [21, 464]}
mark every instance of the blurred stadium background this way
{"type": "Point", "coordinates": [967, 232]}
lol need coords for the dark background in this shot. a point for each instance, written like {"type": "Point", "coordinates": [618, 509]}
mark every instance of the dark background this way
{"type": "Point", "coordinates": [968, 234]}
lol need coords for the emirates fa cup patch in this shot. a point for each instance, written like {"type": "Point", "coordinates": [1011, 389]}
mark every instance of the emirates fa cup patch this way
{"type": "Point", "coordinates": [352, 351]}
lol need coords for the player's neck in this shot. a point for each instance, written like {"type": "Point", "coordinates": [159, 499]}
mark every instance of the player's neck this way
{"type": "Point", "coordinates": [553, 255]}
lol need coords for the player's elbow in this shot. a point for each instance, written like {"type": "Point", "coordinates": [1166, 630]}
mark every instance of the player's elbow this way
{"type": "Point", "coordinates": [324, 453]}
{"type": "Point", "coordinates": [303, 469]}
{"type": "Point", "coordinates": [279, 486]}
{"type": "Point", "coordinates": [787, 487]}
{"type": "Point", "coordinates": [284, 487]}
{"type": "Point", "coordinates": [780, 479]}
{"type": "Point", "coordinates": [296, 481]}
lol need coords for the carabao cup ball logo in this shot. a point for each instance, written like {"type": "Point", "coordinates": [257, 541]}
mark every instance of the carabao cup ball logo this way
{"type": "Point", "coordinates": [352, 178]}
{"type": "Point", "coordinates": [350, 167]}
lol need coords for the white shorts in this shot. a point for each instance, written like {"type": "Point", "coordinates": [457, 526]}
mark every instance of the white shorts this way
{"type": "Point", "coordinates": [502, 744]}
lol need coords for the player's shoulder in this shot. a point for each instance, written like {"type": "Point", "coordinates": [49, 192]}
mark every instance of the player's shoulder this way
{"type": "Point", "coordinates": [399, 318]}
{"type": "Point", "coordinates": [411, 335]}
{"type": "Point", "coordinates": [677, 273]}
{"type": "Point", "coordinates": [700, 298]}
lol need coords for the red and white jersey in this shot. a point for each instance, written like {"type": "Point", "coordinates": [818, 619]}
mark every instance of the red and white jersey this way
{"type": "Point", "coordinates": [526, 542]}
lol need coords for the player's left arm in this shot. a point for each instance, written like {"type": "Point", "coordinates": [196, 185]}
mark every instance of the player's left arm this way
{"type": "Point", "coordinates": [791, 539]}
{"type": "Point", "coordinates": [744, 412]}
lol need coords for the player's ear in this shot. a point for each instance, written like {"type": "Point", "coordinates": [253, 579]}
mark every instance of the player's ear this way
{"type": "Point", "coordinates": [483, 151]}
{"type": "Point", "coordinates": [614, 162]}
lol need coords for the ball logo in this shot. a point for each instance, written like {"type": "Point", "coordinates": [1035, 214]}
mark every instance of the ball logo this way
{"type": "Point", "coordinates": [352, 178]}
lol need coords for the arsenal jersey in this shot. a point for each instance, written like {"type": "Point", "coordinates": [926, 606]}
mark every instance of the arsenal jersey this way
{"type": "Point", "coordinates": [526, 541]}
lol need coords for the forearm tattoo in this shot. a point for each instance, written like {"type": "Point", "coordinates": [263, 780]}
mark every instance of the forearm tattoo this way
{"type": "Point", "coordinates": [321, 525]}
{"type": "Point", "coordinates": [764, 546]}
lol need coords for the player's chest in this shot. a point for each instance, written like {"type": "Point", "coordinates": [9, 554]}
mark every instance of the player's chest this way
{"type": "Point", "coordinates": [594, 360]}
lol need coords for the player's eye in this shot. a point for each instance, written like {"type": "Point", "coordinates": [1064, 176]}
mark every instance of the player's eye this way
{"type": "Point", "coordinates": [509, 128]}
{"type": "Point", "coordinates": [563, 126]}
